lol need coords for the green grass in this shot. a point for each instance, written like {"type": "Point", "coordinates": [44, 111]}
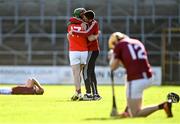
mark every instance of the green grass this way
{"type": "Point", "coordinates": [55, 107]}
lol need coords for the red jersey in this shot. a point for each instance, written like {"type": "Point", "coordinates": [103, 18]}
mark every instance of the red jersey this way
{"type": "Point", "coordinates": [93, 29]}
{"type": "Point", "coordinates": [133, 55]}
{"type": "Point", "coordinates": [76, 42]}
{"type": "Point", "coordinates": [23, 90]}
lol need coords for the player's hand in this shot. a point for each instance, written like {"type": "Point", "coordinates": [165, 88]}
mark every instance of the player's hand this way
{"type": "Point", "coordinates": [71, 31]}
{"type": "Point", "coordinates": [84, 26]}
{"type": "Point", "coordinates": [110, 54]}
{"type": "Point", "coordinates": [99, 32]}
{"type": "Point", "coordinates": [92, 37]}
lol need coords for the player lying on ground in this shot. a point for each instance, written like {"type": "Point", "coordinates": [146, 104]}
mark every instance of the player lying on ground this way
{"type": "Point", "coordinates": [131, 54]}
{"type": "Point", "coordinates": [32, 87]}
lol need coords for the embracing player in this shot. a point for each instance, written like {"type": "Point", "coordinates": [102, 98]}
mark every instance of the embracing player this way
{"type": "Point", "coordinates": [89, 75]}
{"type": "Point", "coordinates": [78, 50]}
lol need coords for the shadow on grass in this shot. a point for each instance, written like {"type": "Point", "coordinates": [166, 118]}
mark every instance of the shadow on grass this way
{"type": "Point", "coordinates": [64, 100]}
{"type": "Point", "coordinates": [103, 119]}
{"type": "Point", "coordinates": [67, 100]}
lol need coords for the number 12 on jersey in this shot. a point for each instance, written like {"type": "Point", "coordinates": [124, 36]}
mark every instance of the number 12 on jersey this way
{"type": "Point", "coordinates": [137, 51]}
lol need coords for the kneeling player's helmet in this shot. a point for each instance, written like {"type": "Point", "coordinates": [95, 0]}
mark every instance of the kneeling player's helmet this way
{"type": "Point", "coordinates": [78, 12]}
{"type": "Point", "coordinates": [114, 39]}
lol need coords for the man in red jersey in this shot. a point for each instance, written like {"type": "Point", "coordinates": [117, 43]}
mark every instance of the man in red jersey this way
{"type": "Point", "coordinates": [32, 87]}
{"type": "Point", "coordinates": [131, 54]}
{"type": "Point", "coordinates": [89, 75]}
{"type": "Point", "coordinates": [78, 50]}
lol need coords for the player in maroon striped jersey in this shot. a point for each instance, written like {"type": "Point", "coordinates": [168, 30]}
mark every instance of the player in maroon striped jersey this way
{"type": "Point", "coordinates": [131, 54]}
{"type": "Point", "coordinates": [32, 87]}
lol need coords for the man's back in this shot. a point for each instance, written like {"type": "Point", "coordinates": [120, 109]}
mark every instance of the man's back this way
{"type": "Point", "coordinates": [94, 45]}
{"type": "Point", "coordinates": [133, 55]}
{"type": "Point", "coordinates": [23, 90]}
{"type": "Point", "coordinates": [76, 42]}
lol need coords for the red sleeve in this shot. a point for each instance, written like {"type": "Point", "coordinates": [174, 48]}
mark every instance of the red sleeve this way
{"type": "Point", "coordinates": [69, 28]}
{"type": "Point", "coordinates": [96, 28]}
{"type": "Point", "coordinates": [93, 29]}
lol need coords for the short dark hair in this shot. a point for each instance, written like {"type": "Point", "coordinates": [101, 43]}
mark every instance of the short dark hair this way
{"type": "Point", "coordinates": [89, 14]}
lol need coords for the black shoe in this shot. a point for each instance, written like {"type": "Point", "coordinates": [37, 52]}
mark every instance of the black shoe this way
{"type": "Point", "coordinates": [97, 97]}
{"type": "Point", "coordinates": [77, 97]}
{"type": "Point", "coordinates": [87, 97]}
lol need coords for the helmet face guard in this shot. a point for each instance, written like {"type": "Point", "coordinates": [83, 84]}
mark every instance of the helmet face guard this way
{"type": "Point", "coordinates": [78, 12]}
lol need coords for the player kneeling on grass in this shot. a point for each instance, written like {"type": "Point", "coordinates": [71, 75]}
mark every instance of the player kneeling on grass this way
{"type": "Point", "coordinates": [32, 87]}
{"type": "Point", "coordinates": [131, 54]}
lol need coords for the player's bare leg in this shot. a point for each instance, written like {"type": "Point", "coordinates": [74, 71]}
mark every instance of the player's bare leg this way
{"type": "Point", "coordinates": [77, 78]}
{"type": "Point", "coordinates": [134, 94]}
{"type": "Point", "coordinates": [135, 109]}
{"type": "Point", "coordinates": [77, 81]}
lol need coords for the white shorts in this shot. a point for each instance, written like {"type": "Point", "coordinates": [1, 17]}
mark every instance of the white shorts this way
{"type": "Point", "coordinates": [5, 90]}
{"type": "Point", "coordinates": [135, 88]}
{"type": "Point", "coordinates": [77, 57]}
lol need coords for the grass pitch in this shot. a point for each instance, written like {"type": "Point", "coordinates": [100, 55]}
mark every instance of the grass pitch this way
{"type": "Point", "coordinates": [55, 107]}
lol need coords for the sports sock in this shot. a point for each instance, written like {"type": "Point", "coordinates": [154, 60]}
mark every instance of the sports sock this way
{"type": "Point", "coordinates": [161, 106]}
{"type": "Point", "coordinates": [78, 91]}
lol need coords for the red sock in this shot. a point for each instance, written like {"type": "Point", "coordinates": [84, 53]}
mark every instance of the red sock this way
{"type": "Point", "coordinates": [78, 91]}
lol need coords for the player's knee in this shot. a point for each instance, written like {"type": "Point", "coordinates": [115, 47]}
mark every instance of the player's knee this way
{"type": "Point", "coordinates": [133, 112]}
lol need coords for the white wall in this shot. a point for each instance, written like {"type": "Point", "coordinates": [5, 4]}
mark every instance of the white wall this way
{"type": "Point", "coordinates": [61, 74]}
